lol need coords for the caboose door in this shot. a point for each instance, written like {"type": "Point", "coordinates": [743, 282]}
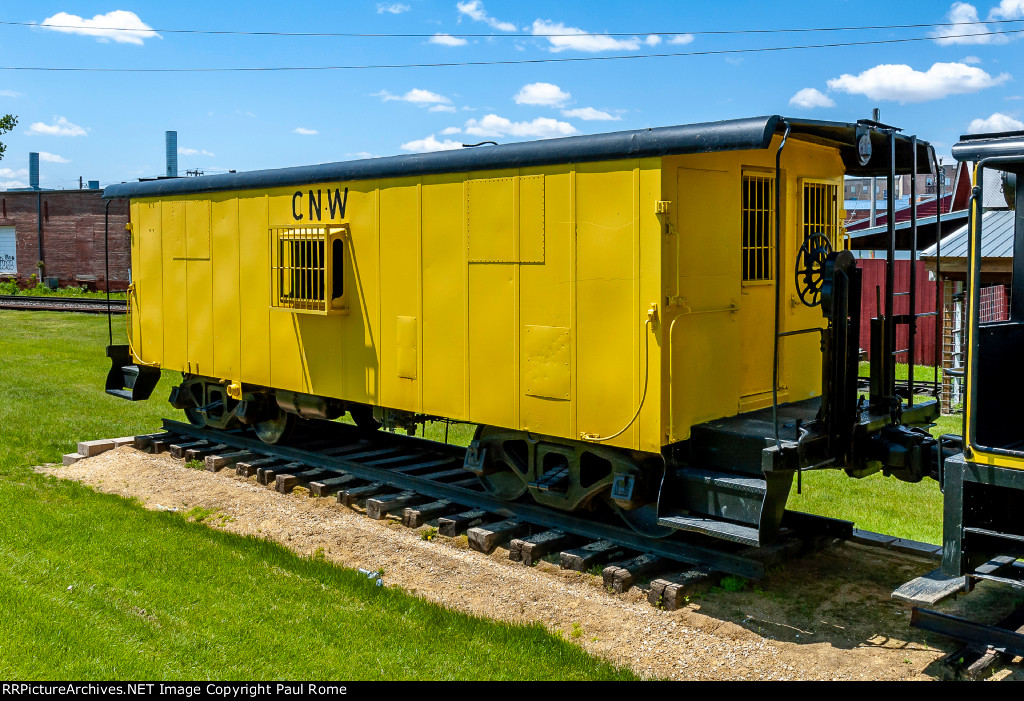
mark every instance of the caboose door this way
{"type": "Point", "coordinates": [757, 292]}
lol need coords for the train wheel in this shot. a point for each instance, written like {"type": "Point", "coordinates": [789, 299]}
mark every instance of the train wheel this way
{"type": "Point", "coordinates": [195, 417]}
{"type": "Point", "coordinates": [505, 467]}
{"type": "Point", "coordinates": [276, 429]}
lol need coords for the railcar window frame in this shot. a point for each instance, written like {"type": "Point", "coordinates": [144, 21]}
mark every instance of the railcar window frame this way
{"type": "Point", "coordinates": [834, 229]}
{"type": "Point", "coordinates": [307, 269]}
{"type": "Point", "coordinates": [757, 227]}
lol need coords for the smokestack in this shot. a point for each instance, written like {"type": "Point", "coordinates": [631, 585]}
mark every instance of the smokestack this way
{"type": "Point", "coordinates": [33, 170]}
{"type": "Point", "coordinates": [171, 138]}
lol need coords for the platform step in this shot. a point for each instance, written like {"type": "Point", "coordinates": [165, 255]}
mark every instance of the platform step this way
{"type": "Point", "coordinates": [725, 480]}
{"type": "Point", "coordinates": [722, 495]}
{"type": "Point", "coordinates": [931, 588]}
{"type": "Point", "coordinates": [713, 527]}
{"type": "Point", "coordinates": [126, 380]}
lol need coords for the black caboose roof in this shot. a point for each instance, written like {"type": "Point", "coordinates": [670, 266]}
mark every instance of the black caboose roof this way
{"type": "Point", "coordinates": [751, 133]}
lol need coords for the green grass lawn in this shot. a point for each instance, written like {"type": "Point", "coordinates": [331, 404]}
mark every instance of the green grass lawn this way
{"type": "Point", "coordinates": [95, 586]}
{"type": "Point", "coordinates": [879, 503]}
{"type": "Point", "coordinates": [153, 595]}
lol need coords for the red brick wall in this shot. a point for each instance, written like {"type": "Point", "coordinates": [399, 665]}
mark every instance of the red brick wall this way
{"type": "Point", "coordinates": [72, 236]}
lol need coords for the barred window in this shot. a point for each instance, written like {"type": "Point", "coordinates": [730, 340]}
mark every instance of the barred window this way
{"type": "Point", "coordinates": [821, 210]}
{"type": "Point", "coordinates": [307, 269]}
{"type": "Point", "coordinates": [758, 244]}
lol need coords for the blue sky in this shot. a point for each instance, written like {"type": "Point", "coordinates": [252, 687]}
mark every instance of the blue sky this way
{"type": "Point", "coordinates": [109, 126]}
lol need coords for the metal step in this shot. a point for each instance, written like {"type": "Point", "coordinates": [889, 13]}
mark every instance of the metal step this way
{"type": "Point", "coordinates": [708, 526]}
{"type": "Point", "coordinates": [722, 495]}
{"type": "Point", "coordinates": [127, 380]}
{"type": "Point", "coordinates": [725, 480]}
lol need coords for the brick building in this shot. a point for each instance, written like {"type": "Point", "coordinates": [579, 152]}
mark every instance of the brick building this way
{"type": "Point", "coordinates": [70, 224]}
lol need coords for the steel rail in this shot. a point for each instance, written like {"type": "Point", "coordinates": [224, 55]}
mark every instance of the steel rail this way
{"type": "Point", "coordinates": [996, 637]}
{"type": "Point", "coordinates": [62, 304]}
{"type": "Point", "coordinates": [685, 552]}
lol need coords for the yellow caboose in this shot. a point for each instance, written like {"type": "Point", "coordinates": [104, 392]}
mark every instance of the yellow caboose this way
{"type": "Point", "coordinates": [593, 303]}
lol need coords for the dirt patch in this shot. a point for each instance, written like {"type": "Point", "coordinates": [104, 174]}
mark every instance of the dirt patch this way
{"type": "Point", "coordinates": [826, 616]}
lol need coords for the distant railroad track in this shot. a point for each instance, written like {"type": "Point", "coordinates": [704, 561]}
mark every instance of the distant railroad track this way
{"type": "Point", "coordinates": [87, 305]}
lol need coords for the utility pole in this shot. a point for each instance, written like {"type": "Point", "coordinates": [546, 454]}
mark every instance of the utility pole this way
{"type": "Point", "coordinates": [876, 115]}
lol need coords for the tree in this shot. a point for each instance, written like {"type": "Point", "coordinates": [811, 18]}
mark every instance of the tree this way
{"type": "Point", "coordinates": [7, 123]}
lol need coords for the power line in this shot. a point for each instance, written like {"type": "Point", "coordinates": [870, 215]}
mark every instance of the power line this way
{"type": "Point", "coordinates": [449, 64]}
{"type": "Point", "coordinates": [517, 35]}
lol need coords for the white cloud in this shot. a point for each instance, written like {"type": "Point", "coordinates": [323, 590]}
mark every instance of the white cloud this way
{"type": "Point", "coordinates": [10, 93]}
{"type": "Point", "coordinates": [60, 127]}
{"type": "Point", "coordinates": [1008, 9]}
{"type": "Point", "coordinates": [542, 127]}
{"type": "Point", "coordinates": [809, 98]}
{"type": "Point", "coordinates": [120, 26]}
{"type": "Point", "coordinates": [304, 131]}
{"type": "Point", "coordinates": [575, 39]}
{"type": "Point", "coordinates": [431, 144]}
{"type": "Point", "coordinates": [547, 94]}
{"type": "Point", "coordinates": [652, 40]}
{"type": "Point", "coordinates": [970, 59]}
{"type": "Point", "coordinates": [10, 178]}
{"type": "Point", "coordinates": [966, 30]}
{"type": "Point", "coordinates": [442, 108]}
{"type": "Point", "coordinates": [475, 11]}
{"type": "Point", "coordinates": [447, 40]}
{"type": "Point", "coordinates": [902, 83]}
{"type": "Point", "coordinates": [52, 158]}
{"type": "Point", "coordinates": [417, 96]}
{"type": "Point", "coordinates": [681, 39]}
{"type": "Point", "coordinates": [996, 123]}
{"type": "Point", "coordinates": [362, 154]}
{"type": "Point", "coordinates": [448, 131]}
{"type": "Point", "coordinates": [395, 8]}
{"type": "Point", "coordinates": [590, 114]}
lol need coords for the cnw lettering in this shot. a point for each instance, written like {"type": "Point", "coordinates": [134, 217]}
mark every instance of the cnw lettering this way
{"type": "Point", "coordinates": [336, 202]}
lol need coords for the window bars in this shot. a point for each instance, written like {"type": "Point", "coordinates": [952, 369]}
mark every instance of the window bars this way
{"type": "Point", "coordinates": [307, 269]}
{"type": "Point", "coordinates": [758, 227]}
{"type": "Point", "coordinates": [821, 211]}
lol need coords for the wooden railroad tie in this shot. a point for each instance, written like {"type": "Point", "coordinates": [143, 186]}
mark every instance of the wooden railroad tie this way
{"type": "Point", "coordinates": [160, 445]}
{"type": "Point", "coordinates": [331, 485]}
{"type": "Point", "coordinates": [177, 450]}
{"type": "Point", "coordinates": [286, 483]}
{"type": "Point", "coordinates": [216, 463]}
{"type": "Point", "coordinates": [459, 523]}
{"type": "Point", "coordinates": [247, 468]}
{"type": "Point", "coordinates": [416, 516]}
{"type": "Point", "coordinates": [591, 554]}
{"type": "Point", "coordinates": [486, 538]}
{"type": "Point", "coordinates": [378, 508]}
{"type": "Point", "coordinates": [671, 593]}
{"type": "Point", "coordinates": [348, 497]}
{"type": "Point", "coordinates": [200, 453]}
{"type": "Point", "coordinates": [267, 474]}
{"type": "Point", "coordinates": [620, 576]}
{"type": "Point", "coordinates": [778, 552]}
{"type": "Point", "coordinates": [144, 442]}
{"type": "Point", "coordinates": [530, 550]}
